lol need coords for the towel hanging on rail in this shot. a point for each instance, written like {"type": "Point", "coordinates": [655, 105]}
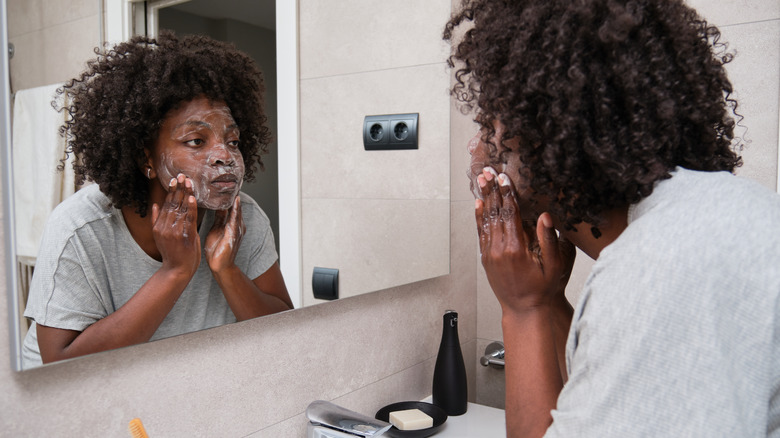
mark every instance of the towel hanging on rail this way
{"type": "Point", "coordinates": [37, 151]}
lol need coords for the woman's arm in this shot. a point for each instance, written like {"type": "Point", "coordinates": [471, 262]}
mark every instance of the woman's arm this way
{"type": "Point", "coordinates": [527, 270]}
{"type": "Point", "coordinates": [249, 299]}
{"type": "Point", "coordinates": [176, 237]}
{"type": "Point", "coordinates": [560, 320]}
{"type": "Point", "coordinates": [133, 323]}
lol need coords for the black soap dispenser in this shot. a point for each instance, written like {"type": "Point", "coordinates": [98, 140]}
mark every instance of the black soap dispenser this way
{"type": "Point", "coordinates": [450, 391]}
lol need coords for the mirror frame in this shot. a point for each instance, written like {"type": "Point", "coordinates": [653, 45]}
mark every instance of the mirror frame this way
{"type": "Point", "coordinates": [288, 144]}
{"type": "Point", "coordinates": [9, 233]}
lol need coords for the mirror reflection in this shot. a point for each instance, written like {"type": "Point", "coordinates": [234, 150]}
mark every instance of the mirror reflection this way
{"type": "Point", "coordinates": [84, 283]}
{"type": "Point", "coordinates": [161, 244]}
{"type": "Point", "coordinates": [414, 214]}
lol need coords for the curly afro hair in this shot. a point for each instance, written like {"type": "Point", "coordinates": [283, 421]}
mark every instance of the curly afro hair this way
{"type": "Point", "coordinates": [605, 96]}
{"type": "Point", "coordinates": [116, 107]}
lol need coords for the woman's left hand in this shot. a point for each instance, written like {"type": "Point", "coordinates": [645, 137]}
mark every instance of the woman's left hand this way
{"type": "Point", "coordinates": [224, 239]}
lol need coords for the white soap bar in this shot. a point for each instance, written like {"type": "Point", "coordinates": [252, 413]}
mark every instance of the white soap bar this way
{"type": "Point", "coordinates": [411, 419]}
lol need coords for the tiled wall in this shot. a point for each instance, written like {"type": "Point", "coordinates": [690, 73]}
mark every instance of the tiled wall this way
{"type": "Point", "coordinates": [752, 29]}
{"type": "Point", "coordinates": [380, 217]}
{"type": "Point", "coordinates": [51, 38]}
{"type": "Point", "coordinates": [256, 378]}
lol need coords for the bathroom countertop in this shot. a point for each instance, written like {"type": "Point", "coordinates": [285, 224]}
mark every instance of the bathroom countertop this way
{"type": "Point", "coordinates": [479, 421]}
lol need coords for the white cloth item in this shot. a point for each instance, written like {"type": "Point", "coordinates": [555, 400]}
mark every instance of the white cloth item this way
{"type": "Point", "coordinates": [38, 148]}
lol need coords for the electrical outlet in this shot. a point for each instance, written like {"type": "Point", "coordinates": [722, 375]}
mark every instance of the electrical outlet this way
{"type": "Point", "coordinates": [389, 132]}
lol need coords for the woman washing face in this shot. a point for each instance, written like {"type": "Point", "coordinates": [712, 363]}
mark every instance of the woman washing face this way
{"type": "Point", "coordinates": [164, 243]}
{"type": "Point", "coordinates": [609, 125]}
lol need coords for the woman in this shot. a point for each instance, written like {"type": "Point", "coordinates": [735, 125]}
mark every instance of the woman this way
{"type": "Point", "coordinates": [608, 125]}
{"type": "Point", "coordinates": [164, 243]}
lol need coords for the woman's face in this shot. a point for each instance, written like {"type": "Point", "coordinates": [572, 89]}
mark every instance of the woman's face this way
{"type": "Point", "coordinates": [200, 140]}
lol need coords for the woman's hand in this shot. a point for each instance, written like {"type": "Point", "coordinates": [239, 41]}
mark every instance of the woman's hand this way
{"type": "Point", "coordinates": [224, 239]}
{"type": "Point", "coordinates": [526, 266]}
{"type": "Point", "coordinates": [175, 228]}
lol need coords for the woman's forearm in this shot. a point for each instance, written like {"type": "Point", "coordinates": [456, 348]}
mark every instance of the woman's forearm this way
{"type": "Point", "coordinates": [247, 300]}
{"type": "Point", "coordinates": [560, 320]}
{"type": "Point", "coordinates": [133, 323]}
{"type": "Point", "coordinates": [533, 378]}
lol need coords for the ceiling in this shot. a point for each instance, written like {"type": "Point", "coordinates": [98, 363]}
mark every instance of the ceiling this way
{"type": "Point", "coordinates": [260, 13]}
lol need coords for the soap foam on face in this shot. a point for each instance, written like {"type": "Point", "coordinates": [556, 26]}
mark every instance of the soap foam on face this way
{"type": "Point", "coordinates": [411, 419]}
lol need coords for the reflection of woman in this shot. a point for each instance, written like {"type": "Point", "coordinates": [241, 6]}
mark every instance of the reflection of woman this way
{"type": "Point", "coordinates": [163, 244]}
{"type": "Point", "coordinates": [610, 121]}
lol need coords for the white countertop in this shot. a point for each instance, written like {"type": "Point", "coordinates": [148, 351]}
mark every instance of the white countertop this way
{"type": "Point", "coordinates": [479, 421]}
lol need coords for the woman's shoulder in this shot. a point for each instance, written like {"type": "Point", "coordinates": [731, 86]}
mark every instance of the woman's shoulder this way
{"type": "Point", "coordinates": [85, 206]}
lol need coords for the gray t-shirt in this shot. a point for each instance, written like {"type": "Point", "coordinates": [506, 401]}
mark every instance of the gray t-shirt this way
{"type": "Point", "coordinates": [677, 331]}
{"type": "Point", "coordinates": [89, 265]}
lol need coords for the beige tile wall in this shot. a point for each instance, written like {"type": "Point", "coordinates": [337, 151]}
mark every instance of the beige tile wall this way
{"type": "Point", "coordinates": [380, 217]}
{"type": "Point", "coordinates": [752, 29]}
{"type": "Point", "coordinates": [52, 39]}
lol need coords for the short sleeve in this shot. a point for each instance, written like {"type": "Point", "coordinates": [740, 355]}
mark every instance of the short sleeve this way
{"type": "Point", "coordinates": [259, 239]}
{"type": "Point", "coordinates": [63, 293]}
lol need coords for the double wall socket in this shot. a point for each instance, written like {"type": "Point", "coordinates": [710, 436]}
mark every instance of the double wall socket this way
{"type": "Point", "coordinates": [388, 132]}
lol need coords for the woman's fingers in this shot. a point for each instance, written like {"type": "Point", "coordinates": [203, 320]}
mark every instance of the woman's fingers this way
{"type": "Point", "coordinates": [548, 240]}
{"type": "Point", "coordinates": [191, 211]}
{"type": "Point", "coordinates": [179, 213]}
{"type": "Point", "coordinates": [175, 194]}
{"type": "Point", "coordinates": [482, 223]}
{"type": "Point", "coordinates": [557, 253]}
{"type": "Point", "coordinates": [237, 218]}
{"type": "Point", "coordinates": [499, 222]}
{"type": "Point", "coordinates": [514, 235]}
{"type": "Point", "coordinates": [181, 198]}
{"type": "Point", "coordinates": [492, 196]}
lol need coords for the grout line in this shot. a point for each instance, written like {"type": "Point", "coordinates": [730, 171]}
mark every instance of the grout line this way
{"type": "Point", "coordinates": [334, 198]}
{"type": "Point", "coordinates": [372, 71]}
{"type": "Point", "coordinates": [768, 20]}
{"type": "Point", "coordinates": [42, 29]}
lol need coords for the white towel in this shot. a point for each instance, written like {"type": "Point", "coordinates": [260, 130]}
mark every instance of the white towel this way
{"type": "Point", "coordinates": [37, 151]}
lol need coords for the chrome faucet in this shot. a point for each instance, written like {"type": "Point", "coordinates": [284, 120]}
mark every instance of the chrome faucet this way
{"type": "Point", "coordinates": [327, 420]}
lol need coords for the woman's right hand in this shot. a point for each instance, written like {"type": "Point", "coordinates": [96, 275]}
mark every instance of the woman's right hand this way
{"type": "Point", "coordinates": [175, 228]}
{"type": "Point", "coordinates": [526, 266]}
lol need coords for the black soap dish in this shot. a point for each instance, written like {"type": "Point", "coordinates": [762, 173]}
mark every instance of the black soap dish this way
{"type": "Point", "coordinates": [435, 412]}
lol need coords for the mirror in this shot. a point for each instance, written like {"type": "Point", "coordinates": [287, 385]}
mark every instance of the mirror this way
{"type": "Point", "coordinates": [381, 218]}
